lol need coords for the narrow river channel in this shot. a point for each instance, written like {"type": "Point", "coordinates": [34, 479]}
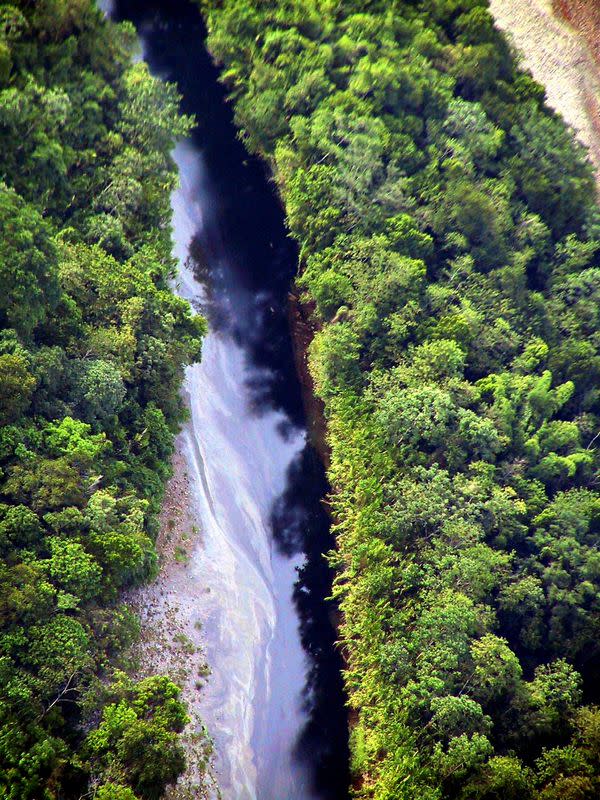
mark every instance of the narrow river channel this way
{"type": "Point", "coordinates": [274, 703]}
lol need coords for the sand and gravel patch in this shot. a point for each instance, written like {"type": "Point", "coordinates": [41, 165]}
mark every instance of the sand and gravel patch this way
{"type": "Point", "coordinates": [171, 640]}
{"type": "Point", "coordinates": [559, 58]}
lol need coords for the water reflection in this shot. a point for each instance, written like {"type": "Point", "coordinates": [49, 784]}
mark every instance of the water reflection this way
{"type": "Point", "coordinates": [275, 702]}
{"type": "Point", "coordinates": [300, 523]}
{"type": "Point", "coordinates": [255, 319]}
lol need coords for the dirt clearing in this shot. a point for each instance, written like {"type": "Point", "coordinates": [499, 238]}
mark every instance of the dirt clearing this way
{"type": "Point", "coordinates": [559, 57]}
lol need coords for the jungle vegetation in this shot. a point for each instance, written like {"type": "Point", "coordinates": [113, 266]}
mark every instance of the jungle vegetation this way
{"type": "Point", "coordinates": [92, 348]}
{"type": "Point", "coordinates": [449, 242]}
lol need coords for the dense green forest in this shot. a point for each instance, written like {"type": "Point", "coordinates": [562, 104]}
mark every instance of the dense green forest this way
{"type": "Point", "coordinates": [449, 240]}
{"type": "Point", "coordinates": [92, 349]}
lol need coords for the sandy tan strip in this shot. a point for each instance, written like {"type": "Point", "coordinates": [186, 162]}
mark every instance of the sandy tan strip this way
{"type": "Point", "coordinates": [559, 58]}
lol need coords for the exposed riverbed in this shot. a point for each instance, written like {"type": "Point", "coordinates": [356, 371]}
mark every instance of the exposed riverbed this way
{"type": "Point", "coordinates": [249, 580]}
{"type": "Point", "coordinates": [560, 59]}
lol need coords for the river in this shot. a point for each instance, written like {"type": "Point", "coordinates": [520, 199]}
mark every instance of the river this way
{"type": "Point", "coordinates": [274, 704]}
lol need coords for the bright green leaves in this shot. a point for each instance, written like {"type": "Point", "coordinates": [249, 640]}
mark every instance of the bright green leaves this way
{"type": "Point", "coordinates": [74, 570]}
{"type": "Point", "coordinates": [533, 356]}
{"type": "Point", "coordinates": [45, 484]}
{"type": "Point", "coordinates": [112, 791]}
{"type": "Point", "coordinates": [136, 741]}
{"type": "Point", "coordinates": [481, 214]}
{"type": "Point", "coordinates": [92, 350]}
{"type": "Point", "coordinates": [523, 408]}
{"type": "Point", "coordinates": [19, 527]}
{"type": "Point", "coordinates": [405, 236]}
{"type": "Point", "coordinates": [447, 244]}
{"type": "Point", "coordinates": [132, 331]}
{"type": "Point", "coordinates": [497, 670]}
{"type": "Point", "coordinates": [421, 418]}
{"type": "Point", "coordinates": [311, 210]}
{"type": "Point", "coordinates": [72, 438]}
{"type": "Point", "coordinates": [464, 756]}
{"type": "Point", "coordinates": [470, 134]}
{"type": "Point", "coordinates": [331, 291]}
{"type": "Point", "coordinates": [502, 778]}
{"type": "Point", "coordinates": [555, 693]}
{"type": "Point", "coordinates": [150, 111]}
{"type": "Point", "coordinates": [568, 566]}
{"type": "Point", "coordinates": [457, 716]}
{"type": "Point", "coordinates": [33, 117]}
{"type": "Point", "coordinates": [125, 557]}
{"type": "Point", "coordinates": [417, 417]}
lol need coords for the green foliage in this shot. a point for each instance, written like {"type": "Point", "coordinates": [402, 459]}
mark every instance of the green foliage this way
{"type": "Point", "coordinates": [28, 263]}
{"type": "Point", "coordinates": [136, 740]}
{"type": "Point", "coordinates": [93, 345]}
{"type": "Point", "coordinates": [112, 791]}
{"type": "Point", "coordinates": [16, 387]}
{"type": "Point", "coordinates": [448, 237]}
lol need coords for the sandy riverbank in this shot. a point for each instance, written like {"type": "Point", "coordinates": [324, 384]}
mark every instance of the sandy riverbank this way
{"type": "Point", "coordinates": [171, 631]}
{"type": "Point", "coordinates": [559, 58]}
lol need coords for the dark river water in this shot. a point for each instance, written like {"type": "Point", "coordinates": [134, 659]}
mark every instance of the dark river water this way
{"type": "Point", "coordinates": [274, 703]}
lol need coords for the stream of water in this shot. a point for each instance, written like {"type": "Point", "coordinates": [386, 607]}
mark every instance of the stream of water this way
{"type": "Point", "coordinates": [274, 704]}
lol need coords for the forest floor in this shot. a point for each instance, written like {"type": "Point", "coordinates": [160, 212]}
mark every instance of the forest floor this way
{"type": "Point", "coordinates": [171, 631]}
{"type": "Point", "coordinates": [560, 58]}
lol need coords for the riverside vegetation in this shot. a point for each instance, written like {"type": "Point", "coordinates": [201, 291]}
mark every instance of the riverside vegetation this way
{"type": "Point", "coordinates": [92, 348]}
{"type": "Point", "coordinates": [449, 241]}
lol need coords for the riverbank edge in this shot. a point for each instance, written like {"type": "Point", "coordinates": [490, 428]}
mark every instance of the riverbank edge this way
{"type": "Point", "coordinates": [169, 643]}
{"type": "Point", "coordinates": [584, 18]}
{"type": "Point", "coordinates": [302, 321]}
{"type": "Point", "coordinates": [171, 638]}
{"type": "Point", "coordinates": [302, 330]}
{"type": "Point", "coordinates": [555, 41]}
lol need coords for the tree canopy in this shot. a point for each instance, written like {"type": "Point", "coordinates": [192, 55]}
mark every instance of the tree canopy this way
{"type": "Point", "coordinates": [93, 344]}
{"type": "Point", "coordinates": [448, 234]}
